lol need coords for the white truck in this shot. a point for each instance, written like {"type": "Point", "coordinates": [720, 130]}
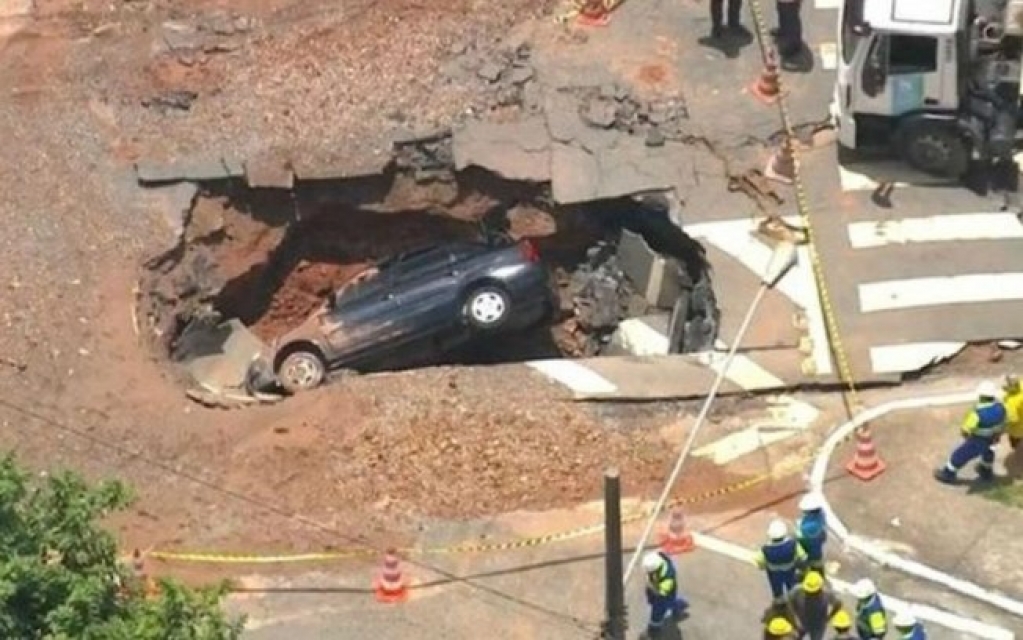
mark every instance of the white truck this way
{"type": "Point", "coordinates": [936, 80]}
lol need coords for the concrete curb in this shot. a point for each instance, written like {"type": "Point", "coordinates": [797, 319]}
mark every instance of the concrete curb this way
{"type": "Point", "coordinates": [922, 612]}
{"type": "Point", "coordinates": [886, 558]}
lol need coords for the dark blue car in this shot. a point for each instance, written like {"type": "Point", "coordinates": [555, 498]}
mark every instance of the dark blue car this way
{"type": "Point", "coordinates": [411, 307]}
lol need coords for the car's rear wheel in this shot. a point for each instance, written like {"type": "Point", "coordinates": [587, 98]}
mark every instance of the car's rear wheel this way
{"type": "Point", "coordinates": [301, 370]}
{"type": "Point", "coordinates": [487, 307]}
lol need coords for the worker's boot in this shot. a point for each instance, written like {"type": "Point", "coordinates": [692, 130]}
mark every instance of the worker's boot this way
{"type": "Point", "coordinates": [945, 475]}
{"type": "Point", "coordinates": [985, 473]}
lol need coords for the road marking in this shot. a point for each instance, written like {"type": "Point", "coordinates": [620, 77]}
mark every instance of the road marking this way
{"type": "Point", "coordinates": [944, 228]}
{"type": "Point", "coordinates": [894, 173]}
{"type": "Point", "coordinates": [829, 56]}
{"type": "Point", "coordinates": [743, 372]}
{"type": "Point", "coordinates": [735, 238]}
{"type": "Point", "coordinates": [930, 292]}
{"type": "Point", "coordinates": [574, 376]}
{"type": "Point", "coordinates": [787, 417]}
{"type": "Point", "coordinates": [640, 339]}
{"type": "Point", "coordinates": [902, 358]}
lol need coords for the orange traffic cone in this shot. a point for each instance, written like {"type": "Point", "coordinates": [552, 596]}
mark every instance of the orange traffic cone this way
{"type": "Point", "coordinates": [390, 585]}
{"type": "Point", "coordinates": [593, 14]}
{"type": "Point", "coordinates": [782, 165]}
{"type": "Point", "coordinates": [677, 539]}
{"type": "Point", "coordinates": [766, 88]}
{"type": "Point", "coordinates": [866, 464]}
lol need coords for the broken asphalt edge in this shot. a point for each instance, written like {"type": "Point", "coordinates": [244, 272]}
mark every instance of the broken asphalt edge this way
{"type": "Point", "coordinates": [922, 612]}
{"type": "Point", "coordinates": [888, 559]}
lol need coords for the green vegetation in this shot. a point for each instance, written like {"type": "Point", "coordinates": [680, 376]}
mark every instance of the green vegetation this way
{"type": "Point", "coordinates": [60, 578]}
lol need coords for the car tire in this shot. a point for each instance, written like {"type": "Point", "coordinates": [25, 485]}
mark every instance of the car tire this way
{"type": "Point", "coordinates": [936, 150]}
{"type": "Point", "coordinates": [301, 370]}
{"type": "Point", "coordinates": [487, 307]}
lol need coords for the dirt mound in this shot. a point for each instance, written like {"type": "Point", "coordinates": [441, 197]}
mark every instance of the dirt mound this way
{"type": "Point", "coordinates": [454, 444]}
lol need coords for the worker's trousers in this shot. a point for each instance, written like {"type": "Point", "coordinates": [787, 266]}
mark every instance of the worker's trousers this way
{"type": "Point", "coordinates": [790, 29]}
{"type": "Point", "coordinates": [717, 13]}
{"type": "Point", "coordinates": [781, 583]}
{"type": "Point", "coordinates": [663, 607]}
{"type": "Point", "coordinates": [971, 449]}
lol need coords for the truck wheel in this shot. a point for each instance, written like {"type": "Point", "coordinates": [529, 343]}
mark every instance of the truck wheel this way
{"type": "Point", "coordinates": [936, 150]}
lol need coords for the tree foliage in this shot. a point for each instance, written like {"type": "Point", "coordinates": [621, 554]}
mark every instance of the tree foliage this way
{"type": "Point", "coordinates": [61, 579]}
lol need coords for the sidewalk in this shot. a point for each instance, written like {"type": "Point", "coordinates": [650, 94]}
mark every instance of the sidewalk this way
{"type": "Point", "coordinates": [952, 528]}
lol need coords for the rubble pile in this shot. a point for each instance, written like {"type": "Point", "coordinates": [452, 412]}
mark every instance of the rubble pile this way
{"type": "Point", "coordinates": [505, 78]}
{"type": "Point", "coordinates": [602, 297]}
{"type": "Point", "coordinates": [613, 107]}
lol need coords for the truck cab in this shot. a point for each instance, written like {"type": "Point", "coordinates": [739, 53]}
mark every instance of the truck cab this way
{"type": "Point", "coordinates": [935, 80]}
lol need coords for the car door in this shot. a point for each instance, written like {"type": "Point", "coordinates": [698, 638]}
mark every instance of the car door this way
{"type": "Point", "coordinates": [427, 293]}
{"type": "Point", "coordinates": [360, 327]}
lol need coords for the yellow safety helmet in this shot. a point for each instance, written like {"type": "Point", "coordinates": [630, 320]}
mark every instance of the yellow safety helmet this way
{"type": "Point", "coordinates": [813, 582]}
{"type": "Point", "coordinates": [779, 626]}
{"type": "Point", "coordinates": [841, 621]}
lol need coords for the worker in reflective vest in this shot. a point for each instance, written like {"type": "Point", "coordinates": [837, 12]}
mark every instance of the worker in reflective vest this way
{"type": "Point", "coordinates": [812, 530]}
{"type": "Point", "coordinates": [871, 618]}
{"type": "Point", "coordinates": [662, 591]}
{"type": "Point", "coordinates": [907, 627]}
{"type": "Point", "coordinates": [1013, 410]}
{"type": "Point", "coordinates": [813, 603]}
{"type": "Point", "coordinates": [981, 429]}
{"type": "Point", "coordinates": [780, 558]}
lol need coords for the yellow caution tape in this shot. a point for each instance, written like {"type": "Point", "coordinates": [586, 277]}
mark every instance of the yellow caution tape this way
{"type": "Point", "coordinates": [831, 320]}
{"type": "Point", "coordinates": [466, 548]}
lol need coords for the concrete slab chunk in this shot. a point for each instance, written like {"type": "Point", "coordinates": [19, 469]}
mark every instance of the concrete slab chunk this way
{"type": "Point", "coordinates": [327, 165]}
{"type": "Point", "coordinates": [189, 170]}
{"type": "Point", "coordinates": [270, 173]}
{"type": "Point", "coordinates": [516, 151]}
{"type": "Point", "coordinates": [218, 357]}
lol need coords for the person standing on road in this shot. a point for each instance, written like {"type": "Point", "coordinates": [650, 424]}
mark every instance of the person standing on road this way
{"type": "Point", "coordinates": [842, 624]}
{"type": "Point", "coordinates": [812, 530]}
{"type": "Point", "coordinates": [871, 617]}
{"type": "Point", "coordinates": [717, 7]}
{"type": "Point", "coordinates": [1013, 410]}
{"type": "Point", "coordinates": [789, 34]}
{"type": "Point", "coordinates": [981, 430]}
{"type": "Point", "coordinates": [813, 604]}
{"type": "Point", "coordinates": [907, 627]}
{"type": "Point", "coordinates": [662, 592]}
{"type": "Point", "coordinates": [780, 558]}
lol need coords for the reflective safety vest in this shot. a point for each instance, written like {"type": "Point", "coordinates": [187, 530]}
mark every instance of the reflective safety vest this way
{"type": "Point", "coordinates": [813, 533]}
{"type": "Point", "coordinates": [986, 420]}
{"type": "Point", "coordinates": [916, 633]}
{"type": "Point", "coordinates": [662, 581]}
{"type": "Point", "coordinates": [781, 555]}
{"type": "Point", "coordinates": [1014, 413]}
{"type": "Point", "coordinates": [871, 619]}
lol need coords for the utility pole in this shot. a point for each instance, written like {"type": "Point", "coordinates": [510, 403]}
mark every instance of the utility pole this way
{"type": "Point", "coordinates": [614, 626]}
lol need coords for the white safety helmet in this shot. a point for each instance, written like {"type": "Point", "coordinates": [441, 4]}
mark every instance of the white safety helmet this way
{"type": "Point", "coordinates": [864, 588]}
{"type": "Point", "coordinates": [988, 389]}
{"type": "Point", "coordinates": [777, 529]}
{"type": "Point", "coordinates": [652, 561]}
{"type": "Point", "coordinates": [904, 620]}
{"type": "Point", "coordinates": [811, 502]}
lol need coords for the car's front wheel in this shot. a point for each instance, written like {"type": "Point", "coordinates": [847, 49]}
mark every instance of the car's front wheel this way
{"type": "Point", "coordinates": [301, 370]}
{"type": "Point", "coordinates": [487, 307]}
